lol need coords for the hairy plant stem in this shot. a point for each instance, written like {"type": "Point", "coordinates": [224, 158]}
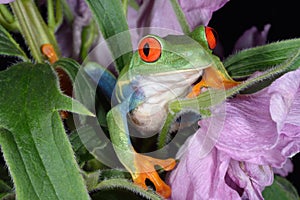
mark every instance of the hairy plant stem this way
{"type": "Point", "coordinates": [33, 28]}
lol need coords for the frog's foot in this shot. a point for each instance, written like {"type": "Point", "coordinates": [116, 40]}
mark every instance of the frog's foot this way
{"type": "Point", "coordinates": [214, 79]}
{"type": "Point", "coordinates": [145, 170]}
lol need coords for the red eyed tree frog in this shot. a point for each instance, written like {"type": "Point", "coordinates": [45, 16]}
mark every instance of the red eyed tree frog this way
{"type": "Point", "coordinates": [161, 70]}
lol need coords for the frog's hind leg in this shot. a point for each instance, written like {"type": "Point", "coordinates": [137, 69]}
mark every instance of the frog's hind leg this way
{"type": "Point", "coordinates": [141, 167]}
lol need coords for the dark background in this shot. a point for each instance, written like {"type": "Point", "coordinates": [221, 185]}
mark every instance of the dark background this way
{"type": "Point", "coordinates": [239, 15]}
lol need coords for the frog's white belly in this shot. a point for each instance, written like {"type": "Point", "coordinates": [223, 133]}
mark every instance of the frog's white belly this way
{"type": "Point", "coordinates": [158, 90]}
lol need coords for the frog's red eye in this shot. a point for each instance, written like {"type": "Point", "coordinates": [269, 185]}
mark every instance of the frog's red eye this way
{"type": "Point", "coordinates": [211, 37]}
{"type": "Point", "coordinates": [149, 49]}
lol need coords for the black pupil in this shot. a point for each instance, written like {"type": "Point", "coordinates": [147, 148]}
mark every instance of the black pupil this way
{"type": "Point", "coordinates": [146, 49]}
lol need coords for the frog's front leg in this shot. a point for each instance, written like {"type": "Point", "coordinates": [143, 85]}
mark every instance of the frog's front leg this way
{"type": "Point", "coordinates": [141, 167]}
{"type": "Point", "coordinates": [212, 78]}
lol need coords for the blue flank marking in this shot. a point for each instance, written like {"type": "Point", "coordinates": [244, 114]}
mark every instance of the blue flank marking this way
{"type": "Point", "coordinates": [107, 84]}
{"type": "Point", "coordinates": [136, 99]}
{"type": "Point", "coordinates": [107, 80]}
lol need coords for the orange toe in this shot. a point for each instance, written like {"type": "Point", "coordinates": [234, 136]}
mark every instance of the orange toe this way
{"type": "Point", "coordinates": [212, 78]}
{"type": "Point", "coordinates": [196, 90]}
{"type": "Point", "coordinates": [145, 167]}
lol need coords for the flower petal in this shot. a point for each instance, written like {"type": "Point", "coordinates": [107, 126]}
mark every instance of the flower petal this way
{"type": "Point", "coordinates": [252, 38]}
{"type": "Point", "coordinates": [263, 128]}
{"type": "Point", "coordinates": [153, 14]}
{"type": "Point", "coordinates": [250, 177]}
{"type": "Point", "coordinates": [203, 178]}
{"type": "Point", "coordinates": [285, 101]}
{"type": "Point", "coordinates": [69, 36]}
{"type": "Point", "coordinates": [199, 12]}
{"type": "Point", "coordinates": [248, 125]}
{"type": "Point", "coordinates": [286, 169]}
{"type": "Point", "coordinates": [161, 14]}
{"type": "Point", "coordinates": [6, 1]}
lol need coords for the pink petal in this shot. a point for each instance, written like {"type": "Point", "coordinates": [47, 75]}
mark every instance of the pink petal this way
{"type": "Point", "coordinates": [69, 36]}
{"type": "Point", "coordinates": [286, 169]}
{"type": "Point", "coordinates": [157, 14]}
{"type": "Point", "coordinates": [6, 1]}
{"type": "Point", "coordinates": [250, 177]}
{"type": "Point", "coordinates": [160, 13]}
{"type": "Point", "coordinates": [263, 128]}
{"type": "Point", "coordinates": [248, 125]}
{"type": "Point", "coordinates": [201, 178]}
{"type": "Point", "coordinates": [252, 38]}
{"type": "Point", "coordinates": [199, 12]}
{"type": "Point", "coordinates": [285, 101]}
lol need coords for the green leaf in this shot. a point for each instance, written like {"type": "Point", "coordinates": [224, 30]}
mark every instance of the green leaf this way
{"type": "Point", "coordinates": [98, 145]}
{"type": "Point", "coordinates": [257, 83]}
{"type": "Point", "coordinates": [9, 47]}
{"type": "Point", "coordinates": [91, 179]}
{"type": "Point", "coordinates": [281, 189]}
{"type": "Point", "coordinates": [85, 88]}
{"type": "Point", "coordinates": [133, 4]}
{"type": "Point", "coordinates": [82, 154]}
{"type": "Point", "coordinates": [4, 189]}
{"type": "Point", "coordinates": [122, 189]}
{"type": "Point", "coordinates": [112, 22]}
{"type": "Point", "coordinates": [114, 174]}
{"type": "Point", "coordinates": [246, 62]}
{"type": "Point", "coordinates": [70, 66]}
{"type": "Point", "coordinates": [32, 137]}
{"type": "Point", "coordinates": [4, 174]}
{"type": "Point", "coordinates": [6, 185]}
{"type": "Point", "coordinates": [88, 35]}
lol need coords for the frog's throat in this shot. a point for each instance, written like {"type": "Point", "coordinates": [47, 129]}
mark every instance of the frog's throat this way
{"type": "Point", "coordinates": [157, 90]}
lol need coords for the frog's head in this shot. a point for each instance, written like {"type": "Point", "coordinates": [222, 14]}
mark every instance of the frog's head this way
{"type": "Point", "coordinates": [174, 53]}
{"type": "Point", "coordinates": [179, 58]}
{"type": "Point", "coordinates": [163, 69]}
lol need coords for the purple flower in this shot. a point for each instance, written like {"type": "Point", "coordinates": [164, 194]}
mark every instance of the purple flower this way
{"type": "Point", "coordinates": [252, 37]}
{"type": "Point", "coordinates": [69, 36]}
{"type": "Point", "coordinates": [160, 13]}
{"type": "Point", "coordinates": [6, 1]}
{"type": "Point", "coordinates": [200, 12]}
{"type": "Point", "coordinates": [285, 170]}
{"type": "Point", "coordinates": [261, 131]}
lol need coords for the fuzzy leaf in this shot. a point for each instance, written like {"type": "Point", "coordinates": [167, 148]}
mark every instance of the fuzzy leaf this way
{"type": "Point", "coordinates": [4, 189]}
{"type": "Point", "coordinates": [82, 154]}
{"type": "Point", "coordinates": [86, 139]}
{"type": "Point", "coordinates": [32, 137]}
{"type": "Point", "coordinates": [246, 62]}
{"type": "Point", "coordinates": [70, 66]}
{"type": "Point", "coordinates": [9, 47]}
{"type": "Point", "coordinates": [122, 189]}
{"type": "Point", "coordinates": [85, 86]}
{"type": "Point", "coordinates": [112, 21]}
{"type": "Point", "coordinates": [280, 189]}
